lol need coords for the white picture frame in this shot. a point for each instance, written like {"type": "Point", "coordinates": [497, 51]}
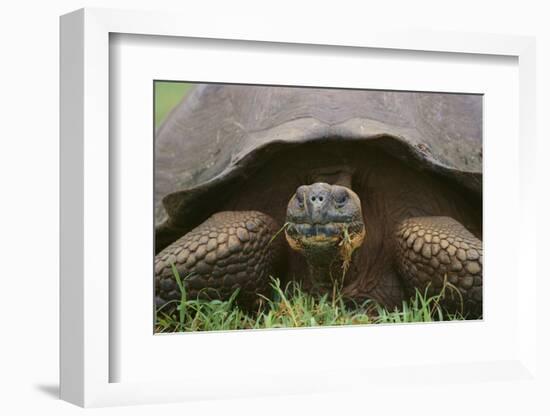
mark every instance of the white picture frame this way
{"type": "Point", "coordinates": [87, 354]}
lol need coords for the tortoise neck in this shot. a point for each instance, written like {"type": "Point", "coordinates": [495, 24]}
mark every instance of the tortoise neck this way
{"type": "Point", "coordinates": [325, 271]}
{"type": "Point", "coordinates": [334, 175]}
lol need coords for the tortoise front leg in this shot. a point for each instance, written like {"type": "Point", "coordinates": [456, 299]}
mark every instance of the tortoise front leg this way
{"type": "Point", "coordinates": [432, 249]}
{"type": "Point", "coordinates": [230, 250]}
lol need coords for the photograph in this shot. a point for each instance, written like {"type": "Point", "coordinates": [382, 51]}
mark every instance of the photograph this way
{"type": "Point", "coordinates": [287, 206]}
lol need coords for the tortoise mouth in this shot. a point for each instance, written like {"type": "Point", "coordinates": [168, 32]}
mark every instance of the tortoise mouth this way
{"type": "Point", "coordinates": [302, 236]}
{"type": "Point", "coordinates": [307, 230]}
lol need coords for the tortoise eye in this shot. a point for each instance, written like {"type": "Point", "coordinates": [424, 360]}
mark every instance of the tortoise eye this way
{"type": "Point", "coordinates": [340, 197]}
{"type": "Point", "coordinates": [300, 192]}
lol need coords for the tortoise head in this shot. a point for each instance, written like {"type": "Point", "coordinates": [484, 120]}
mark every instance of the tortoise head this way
{"type": "Point", "coordinates": [324, 223]}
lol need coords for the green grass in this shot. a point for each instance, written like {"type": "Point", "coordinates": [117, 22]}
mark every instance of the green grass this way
{"type": "Point", "coordinates": [167, 95]}
{"type": "Point", "coordinates": [291, 307]}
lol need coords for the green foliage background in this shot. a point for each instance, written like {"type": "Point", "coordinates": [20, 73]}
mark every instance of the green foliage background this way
{"type": "Point", "coordinates": [167, 95]}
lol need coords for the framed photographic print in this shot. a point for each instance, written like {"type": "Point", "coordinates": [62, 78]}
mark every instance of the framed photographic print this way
{"type": "Point", "coordinates": [319, 214]}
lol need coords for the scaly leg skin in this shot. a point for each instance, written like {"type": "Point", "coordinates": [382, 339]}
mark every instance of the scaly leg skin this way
{"type": "Point", "coordinates": [430, 249]}
{"type": "Point", "coordinates": [230, 250]}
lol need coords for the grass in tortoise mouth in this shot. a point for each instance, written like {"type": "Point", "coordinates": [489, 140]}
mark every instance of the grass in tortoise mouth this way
{"type": "Point", "coordinates": [346, 250]}
{"type": "Point", "coordinates": [279, 231]}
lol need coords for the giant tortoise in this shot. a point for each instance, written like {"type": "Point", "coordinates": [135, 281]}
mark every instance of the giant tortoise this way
{"type": "Point", "coordinates": [379, 191]}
